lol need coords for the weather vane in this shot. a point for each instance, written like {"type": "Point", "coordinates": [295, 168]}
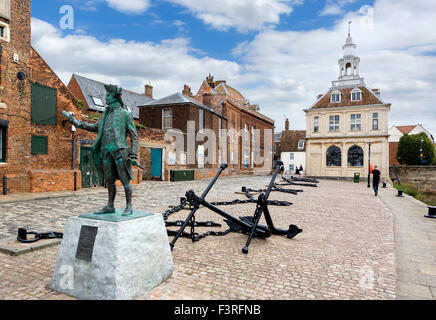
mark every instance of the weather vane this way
{"type": "Point", "coordinates": [349, 27]}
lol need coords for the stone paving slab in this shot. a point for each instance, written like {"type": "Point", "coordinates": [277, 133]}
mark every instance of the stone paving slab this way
{"type": "Point", "coordinates": [415, 246]}
{"type": "Point", "coordinates": [346, 250]}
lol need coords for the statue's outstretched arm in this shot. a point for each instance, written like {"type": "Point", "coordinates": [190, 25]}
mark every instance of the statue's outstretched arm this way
{"type": "Point", "coordinates": [92, 127]}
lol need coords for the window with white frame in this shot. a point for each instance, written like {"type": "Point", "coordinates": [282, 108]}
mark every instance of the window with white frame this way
{"type": "Point", "coordinates": [356, 95]}
{"type": "Point", "coordinates": [292, 168]}
{"type": "Point", "coordinates": [335, 97]}
{"type": "Point", "coordinates": [4, 31]}
{"type": "Point", "coordinates": [292, 156]}
{"type": "Point", "coordinates": [375, 121]}
{"type": "Point", "coordinates": [301, 144]}
{"type": "Point", "coordinates": [356, 122]}
{"type": "Point", "coordinates": [253, 134]}
{"type": "Point", "coordinates": [167, 119]}
{"type": "Point", "coordinates": [334, 123]}
{"type": "Point", "coordinates": [316, 124]}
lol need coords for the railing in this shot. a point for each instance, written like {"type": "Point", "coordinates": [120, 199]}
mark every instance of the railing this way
{"type": "Point", "coordinates": [396, 175]}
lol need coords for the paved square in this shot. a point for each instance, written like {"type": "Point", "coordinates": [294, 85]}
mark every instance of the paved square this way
{"type": "Point", "coordinates": [346, 250]}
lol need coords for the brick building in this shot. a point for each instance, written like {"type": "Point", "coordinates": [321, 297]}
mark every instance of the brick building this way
{"type": "Point", "coordinates": [36, 142]}
{"type": "Point", "coordinates": [250, 152]}
{"type": "Point", "coordinates": [223, 110]}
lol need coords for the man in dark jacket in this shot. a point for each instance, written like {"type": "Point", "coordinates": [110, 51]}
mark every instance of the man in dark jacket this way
{"type": "Point", "coordinates": [376, 179]}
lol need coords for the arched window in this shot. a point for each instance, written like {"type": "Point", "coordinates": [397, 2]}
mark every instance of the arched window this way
{"type": "Point", "coordinates": [349, 69]}
{"type": "Point", "coordinates": [355, 156]}
{"type": "Point", "coordinates": [334, 157]}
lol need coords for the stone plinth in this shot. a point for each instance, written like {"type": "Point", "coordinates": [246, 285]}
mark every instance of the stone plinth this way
{"type": "Point", "coordinates": [120, 259]}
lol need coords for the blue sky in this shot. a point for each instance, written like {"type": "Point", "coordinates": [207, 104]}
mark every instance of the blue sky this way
{"type": "Point", "coordinates": [165, 20]}
{"type": "Point", "coordinates": [279, 53]}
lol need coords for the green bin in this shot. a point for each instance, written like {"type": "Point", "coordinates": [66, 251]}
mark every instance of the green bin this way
{"type": "Point", "coordinates": [356, 177]}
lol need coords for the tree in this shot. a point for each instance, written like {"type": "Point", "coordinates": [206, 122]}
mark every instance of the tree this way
{"type": "Point", "coordinates": [409, 149]}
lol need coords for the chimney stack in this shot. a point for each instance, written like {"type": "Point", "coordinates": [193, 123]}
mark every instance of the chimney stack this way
{"type": "Point", "coordinates": [149, 91]}
{"type": "Point", "coordinates": [187, 91]}
{"type": "Point", "coordinates": [287, 124]}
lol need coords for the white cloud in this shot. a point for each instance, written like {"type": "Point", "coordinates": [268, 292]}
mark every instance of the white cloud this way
{"type": "Point", "coordinates": [130, 6]}
{"type": "Point", "coordinates": [244, 15]}
{"type": "Point", "coordinates": [335, 7]}
{"type": "Point", "coordinates": [284, 71]}
{"type": "Point", "coordinates": [167, 64]}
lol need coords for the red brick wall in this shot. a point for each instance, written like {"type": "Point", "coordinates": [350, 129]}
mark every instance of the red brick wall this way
{"type": "Point", "coordinates": [53, 180]}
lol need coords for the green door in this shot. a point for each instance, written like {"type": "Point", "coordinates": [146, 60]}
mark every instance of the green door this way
{"type": "Point", "coordinates": [91, 177]}
{"type": "Point", "coordinates": [156, 163]}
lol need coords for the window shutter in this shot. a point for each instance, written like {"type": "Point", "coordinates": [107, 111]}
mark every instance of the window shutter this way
{"type": "Point", "coordinates": [39, 145]}
{"type": "Point", "coordinates": [44, 105]}
{"type": "Point", "coordinates": [5, 9]}
{"type": "Point", "coordinates": [2, 144]}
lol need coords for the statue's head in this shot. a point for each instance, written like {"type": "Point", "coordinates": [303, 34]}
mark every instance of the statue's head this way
{"type": "Point", "coordinates": [113, 94]}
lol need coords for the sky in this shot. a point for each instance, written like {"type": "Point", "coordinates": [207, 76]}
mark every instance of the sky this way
{"type": "Point", "coordinates": [280, 54]}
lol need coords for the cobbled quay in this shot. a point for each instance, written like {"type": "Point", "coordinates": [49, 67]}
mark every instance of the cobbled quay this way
{"type": "Point", "coordinates": [346, 250]}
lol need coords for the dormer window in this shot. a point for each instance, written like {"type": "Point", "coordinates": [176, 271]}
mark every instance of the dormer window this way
{"type": "Point", "coordinates": [301, 144]}
{"type": "Point", "coordinates": [335, 97]}
{"type": "Point", "coordinates": [97, 101]}
{"type": "Point", "coordinates": [356, 95]}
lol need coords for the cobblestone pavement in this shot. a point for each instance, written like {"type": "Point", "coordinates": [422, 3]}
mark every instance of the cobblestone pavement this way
{"type": "Point", "coordinates": [346, 250]}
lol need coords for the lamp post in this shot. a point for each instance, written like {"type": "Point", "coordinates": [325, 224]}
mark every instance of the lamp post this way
{"type": "Point", "coordinates": [369, 164]}
{"type": "Point", "coordinates": [421, 155]}
{"type": "Point", "coordinates": [73, 150]}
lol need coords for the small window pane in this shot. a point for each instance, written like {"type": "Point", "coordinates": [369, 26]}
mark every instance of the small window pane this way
{"type": "Point", "coordinates": [292, 156]}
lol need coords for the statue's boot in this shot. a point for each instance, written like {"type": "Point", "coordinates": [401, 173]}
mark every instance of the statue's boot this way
{"type": "Point", "coordinates": [110, 208]}
{"type": "Point", "coordinates": [129, 210]}
{"type": "Point", "coordinates": [107, 210]}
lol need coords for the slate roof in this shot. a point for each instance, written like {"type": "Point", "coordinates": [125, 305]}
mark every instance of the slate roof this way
{"type": "Point", "coordinates": [179, 98]}
{"type": "Point", "coordinates": [368, 98]}
{"type": "Point", "coordinates": [290, 140]}
{"type": "Point", "coordinates": [92, 88]}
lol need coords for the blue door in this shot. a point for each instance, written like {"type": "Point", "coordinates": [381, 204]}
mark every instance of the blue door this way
{"type": "Point", "coordinates": [156, 163]}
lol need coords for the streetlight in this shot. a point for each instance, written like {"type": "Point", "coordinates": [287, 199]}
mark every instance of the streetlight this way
{"type": "Point", "coordinates": [420, 153]}
{"type": "Point", "coordinates": [369, 164]}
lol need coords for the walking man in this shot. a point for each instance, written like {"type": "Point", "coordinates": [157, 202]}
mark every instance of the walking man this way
{"type": "Point", "coordinates": [376, 179]}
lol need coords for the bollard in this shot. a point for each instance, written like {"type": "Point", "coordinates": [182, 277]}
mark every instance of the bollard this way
{"type": "Point", "coordinates": [431, 212]}
{"type": "Point", "coordinates": [5, 185]}
{"type": "Point", "coordinates": [400, 194]}
{"type": "Point", "coordinates": [75, 181]}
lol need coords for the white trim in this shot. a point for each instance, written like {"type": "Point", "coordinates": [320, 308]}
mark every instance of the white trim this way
{"type": "Point", "coordinates": [335, 93]}
{"type": "Point", "coordinates": [7, 32]}
{"type": "Point", "coordinates": [356, 90]}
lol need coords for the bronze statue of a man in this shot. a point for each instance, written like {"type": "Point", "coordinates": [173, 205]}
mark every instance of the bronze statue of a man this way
{"type": "Point", "coordinates": [111, 153]}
